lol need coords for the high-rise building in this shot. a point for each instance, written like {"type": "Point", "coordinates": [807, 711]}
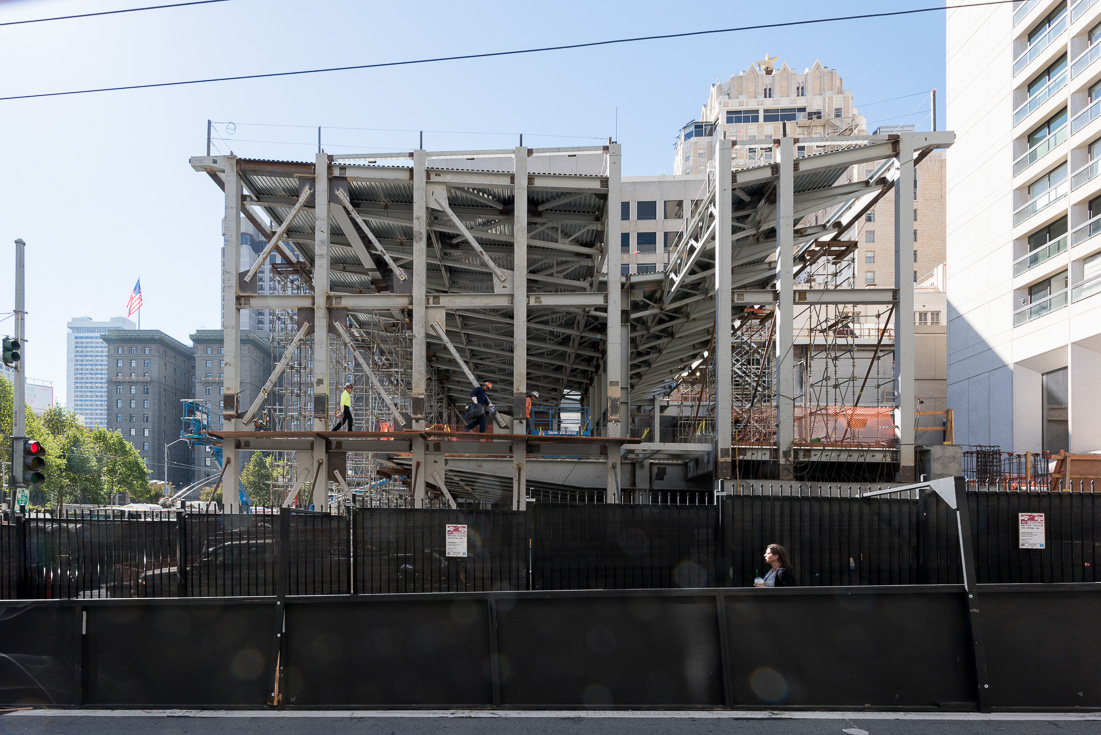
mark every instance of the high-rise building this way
{"type": "Point", "coordinates": [1024, 212]}
{"type": "Point", "coordinates": [252, 245]}
{"type": "Point", "coordinates": [86, 358]}
{"type": "Point", "coordinates": [150, 373]}
{"type": "Point", "coordinates": [756, 105]}
{"type": "Point", "coordinates": [256, 366]}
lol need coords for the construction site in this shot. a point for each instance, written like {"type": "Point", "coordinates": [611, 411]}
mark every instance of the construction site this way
{"type": "Point", "coordinates": [754, 354]}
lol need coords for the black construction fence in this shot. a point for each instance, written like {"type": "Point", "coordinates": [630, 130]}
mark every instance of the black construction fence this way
{"type": "Point", "coordinates": [832, 541]}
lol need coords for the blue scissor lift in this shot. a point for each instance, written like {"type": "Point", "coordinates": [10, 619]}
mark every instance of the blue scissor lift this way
{"type": "Point", "coordinates": [195, 429]}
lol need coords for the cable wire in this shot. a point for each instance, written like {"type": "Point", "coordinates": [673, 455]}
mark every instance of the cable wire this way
{"type": "Point", "coordinates": [109, 12]}
{"type": "Point", "coordinates": [515, 52]}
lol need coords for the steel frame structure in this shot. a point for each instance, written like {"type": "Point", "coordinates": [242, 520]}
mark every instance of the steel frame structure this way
{"type": "Point", "coordinates": [496, 269]}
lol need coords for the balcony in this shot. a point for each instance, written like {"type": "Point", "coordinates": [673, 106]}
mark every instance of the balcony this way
{"type": "Point", "coordinates": [1086, 288]}
{"type": "Point", "coordinates": [1041, 149]}
{"type": "Point", "coordinates": [1085, 231]}
{"type": "Point", "coordinates": [1040, 97]}
{"type": "Point", "coordinates": [1085, 174]}
{"type": "Point", "coordinates": [1040, 203]}
{"type": "Point", "coordinates": [1076, 10]}
{"type": "Point", "coordinates": [1040, 255]}
{"type": "Point", "coordinates": [1039, 44]}
{"type": "Point", "coordinates": [1037, 309]}
{"type": "Point", "coordinates": [1022, 10]}
{"type": "Point", "coordinates": [1085, 58]}
{"type": "Point", "coordinates": [1085, 117]}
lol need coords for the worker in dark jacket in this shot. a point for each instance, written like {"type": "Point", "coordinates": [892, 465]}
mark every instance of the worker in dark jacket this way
{"type": "Point", "coordinates": [479, 402]}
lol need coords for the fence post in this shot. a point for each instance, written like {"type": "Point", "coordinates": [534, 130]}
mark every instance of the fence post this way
{"type": "Point", "coordinates": [22, 578]}
{"type": "Point", "coordinates": [181, 553]}
{"type": "Point", "coordinates": [282, 581]}
{"type": "Point", "coordinates": [970, 582]}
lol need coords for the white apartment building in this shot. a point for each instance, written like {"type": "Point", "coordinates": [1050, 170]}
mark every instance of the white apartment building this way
{"type": "Point", "coordinates": [86, 360]}
{"type": "Point", "coordinates": [1024, 212]}
{"type": "Point", "coordinates": [756, 104]}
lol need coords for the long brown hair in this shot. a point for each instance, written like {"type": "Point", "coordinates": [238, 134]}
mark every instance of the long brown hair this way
{"type": "Point", "coordinates": [782, 553]}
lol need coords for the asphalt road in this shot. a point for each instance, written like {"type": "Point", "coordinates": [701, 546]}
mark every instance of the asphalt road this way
{"type": "Point", "coordinates": [191, 722]}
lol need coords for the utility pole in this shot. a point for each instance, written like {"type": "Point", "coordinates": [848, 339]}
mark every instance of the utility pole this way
{"type": "Point", "coordinates": [19, 379]}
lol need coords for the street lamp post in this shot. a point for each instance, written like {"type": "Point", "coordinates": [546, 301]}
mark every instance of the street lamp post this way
{"type": "Point", "coordinates": [166, 446]}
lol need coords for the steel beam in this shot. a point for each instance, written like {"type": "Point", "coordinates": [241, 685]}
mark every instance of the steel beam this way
{"type": "Point", "coordinates": [278, 236]}
{"type": "Point", "coordinates": [613, 372]}
{"type": "Point", "coordinates": [321, 286]}
{"type": "Point", "coordinates": [520, 327]}
{"type": "Point", "coordinates": [723, 336]}
{"type": "Point", "coordinates": [441, 202]}
{"type": "Point", "coordinates": [904, 314]}
{"type": "Point", "coordinates": [347, 338]}
{"type": "Point", "coordinates": [231, 333]}
{"type": "Point", "coordinates": [785, 334]}
{"type": "Point", "coordinates": [279, 368]}
{"type": "Point", "coordinates": [420, 322]}
{"type": "Point", "coordinates": [343, 196]}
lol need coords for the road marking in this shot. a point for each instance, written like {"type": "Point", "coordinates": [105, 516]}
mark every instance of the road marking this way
{"type": "Point", "coordinates": [588, 714]}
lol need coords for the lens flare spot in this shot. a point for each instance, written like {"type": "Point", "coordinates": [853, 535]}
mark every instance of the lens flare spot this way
{"type": "Point", "coordinates": [769, 684]}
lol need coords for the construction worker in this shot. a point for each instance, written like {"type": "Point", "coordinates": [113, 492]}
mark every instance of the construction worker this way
{"type": "Point", "coordinates": [479, 402]}
{"type": "Point", "coordinates": [527, 409]}
{"type": "Point", "coordinates": [344, 410]}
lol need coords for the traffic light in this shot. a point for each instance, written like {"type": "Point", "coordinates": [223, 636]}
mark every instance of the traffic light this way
{"type": "Point", "coordinates": [12, 351]}
{"type": "Point", "coordinates": [34, 463]}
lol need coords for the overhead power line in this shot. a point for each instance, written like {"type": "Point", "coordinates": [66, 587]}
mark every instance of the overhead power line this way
{"type": "Point", "coordinates": [515, 52]}
{"type": "Point", "coordinates": [108, 12]}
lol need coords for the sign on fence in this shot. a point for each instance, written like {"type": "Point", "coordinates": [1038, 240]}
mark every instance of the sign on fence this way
{"type": "Point", "coordinates": [456, 540]}
{"type": "Point", "coordinates": [1032, 530]}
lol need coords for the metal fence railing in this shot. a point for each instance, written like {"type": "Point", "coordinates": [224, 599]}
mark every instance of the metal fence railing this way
{"type": "Point", "coordinates": [836, 536]}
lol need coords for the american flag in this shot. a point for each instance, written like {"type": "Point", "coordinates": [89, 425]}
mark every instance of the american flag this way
{"type": "Point", "coordinates": [135, 299]}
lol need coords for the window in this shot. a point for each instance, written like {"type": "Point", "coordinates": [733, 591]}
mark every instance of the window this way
{"type": "Point", "coordinates": [118, 417]}
{"type": "Point", "coordinates": [208, 350]}
{"type": "Point", "coordinates": [118, 363]}
{"type": "Point", "coordinates": [869, 235]}
{"type": "Point", "coordinates": [624, 246]}
{"type": "Point", "coordinates": [145, 432]}
{"type": "Point", "coordinates": [145, 389]}
{"type": "Point", "coordinates": [146, 404]}
{"type": "Point", "coordinates": [800, 151]}
{"type": "Point", "coordinates": [133, 404]}
{"type": "Point", "coordinates": [647, 242]}
{"type": "Point", "coordinates": [208, 390]}
{"type": "Point", "coordinates": [837, 112]}
{"type": "Point", "coordinates": [800, 90]}
{"type": "Point", "coordinates": [915, 235]}
{"type": "Point", "coordinates": [118, 404]}
{"type": "Point", "coordinates": [869, 277]}
{"type": "Point", "coordinates": [147, 364]}
{"type": "Point", "coordinates": [133, 432]}
{"type": "Point", "coordinates": [145, 418]}
{"type": "Point", "coordinates": [869, 256]}
{"type": "Point", "coordinates": [670, 239]}
{"type": "Point", "coordinates": [625, 210]}
{"type": "Point", "coordinates": [625, 269]}
{"type": "Point", "coordinates": [145, 446]}
{"type": "Point", "coordinates": [131, 418]}
{"type": "Point", "coordinates": [743, 116]}
{"type": "Point", "coordinates": [646, 210]}
{"type": "Point", "coordinates": [783, 114]}
{"type": "Point", "coordinates": [1053, 73]}
{"type": "Point", "coordinates": [915, 256]}
{"type": "Point", "coordinates": [870, 216]}
{"type": "Point", "coordinates": [119, 349]}
{"type": "Point", "coordinates": [118, 389]}
{"type": "Point", "coordinates": [767, 93]}
{"type": "Point", "coordinates": [208, 363]}
{"type": "Point", "coordinates": [133, 350]}
{"type": "Point", "coordinates": [1049, 181]}
{"type": "Point", "coordinates": [647, 268]}
{"type": "Point", "coordinates": [1042, 133]}
{"type": "Point", "coordinates": [147, 350]}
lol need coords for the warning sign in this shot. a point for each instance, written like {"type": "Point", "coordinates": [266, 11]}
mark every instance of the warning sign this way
{"type": "Point", "coordinates": [1032, 530]}
{"type": "Point", "coordinates": [456, 540]}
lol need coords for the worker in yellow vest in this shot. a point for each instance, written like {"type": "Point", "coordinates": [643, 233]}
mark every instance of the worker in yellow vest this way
{"type": "Point", "coordinates": [344, 410]}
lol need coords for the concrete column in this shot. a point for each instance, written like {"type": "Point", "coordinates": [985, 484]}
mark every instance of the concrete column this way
{"type": "Point", "coordinates": [322, 415]}
{"type": "Point", "coordinates": [657, 420]}
{"type": "Point", "coordinates": [420, 338]}
{"type": "Point", "coordinates": [231, 335]}
{"type": "Point", "coordinates": [904, 311]}
{"type": "Point", "coordinates": [614, 366]}
{"type": "Point", "coordinates": [1085, 420]}
{"type": "Point", "coordinates": [785, 309]}
{"type": "Point", "coordinates": [721, 358]}
{"type": "Point", "coordinates": [520, 328]}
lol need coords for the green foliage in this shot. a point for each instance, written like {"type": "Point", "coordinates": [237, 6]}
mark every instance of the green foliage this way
{"type": "Point", "coordinates": [256, 479]}
{"type": "Point", "coordinates": [82, 465]}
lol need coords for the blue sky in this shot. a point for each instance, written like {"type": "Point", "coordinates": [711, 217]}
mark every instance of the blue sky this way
{"type": "Point", "coordinates": [100, 188]}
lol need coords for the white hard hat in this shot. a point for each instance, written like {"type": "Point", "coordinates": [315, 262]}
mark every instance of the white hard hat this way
{"type": "Point", "coordinates": [535, 394]}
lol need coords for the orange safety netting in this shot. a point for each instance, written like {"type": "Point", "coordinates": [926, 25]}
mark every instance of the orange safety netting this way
{"type": "Point", "coordinates": [831, 426]}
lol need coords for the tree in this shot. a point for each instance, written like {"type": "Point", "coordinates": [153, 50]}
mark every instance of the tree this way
{"type": "Point", "coordinates": [257, 478]}
{"type": "Point", "coordinates": [122, 467]}
{"type": "Point", "coordinates": [75, 471]}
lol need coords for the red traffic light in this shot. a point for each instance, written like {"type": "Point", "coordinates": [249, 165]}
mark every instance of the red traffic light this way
{"type": "Point", "coordinates": [32, 447]}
